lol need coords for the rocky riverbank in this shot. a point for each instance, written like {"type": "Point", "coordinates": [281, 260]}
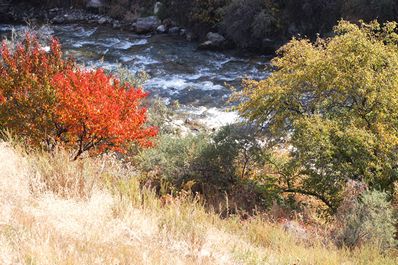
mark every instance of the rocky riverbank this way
{"type": "Point", "coordinates": [94, 14]}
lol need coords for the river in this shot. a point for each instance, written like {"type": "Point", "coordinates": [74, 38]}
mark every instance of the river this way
{"type": "Point", "coordinates": [198, 80]}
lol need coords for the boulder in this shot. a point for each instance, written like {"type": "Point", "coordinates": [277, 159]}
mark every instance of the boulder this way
{"type": "Point", "coordinates": [146, 24]}
{"type": "Point", "coordinates": [161, 29]}
{"type": "Point", "coordinates": [95, 4]}
{"type": "Point", "coordinates": [214, 41]}
{"type": "Point", "coordinates": [174, 30]}
{"type": "Point", "coordinates": [215, 38]}
{"type": "Point", "coordinates": [183, 32]}
{"type": "Point", "coordinates": [116, 24]}
{"type": "Point", "coordinates": [102, 20]}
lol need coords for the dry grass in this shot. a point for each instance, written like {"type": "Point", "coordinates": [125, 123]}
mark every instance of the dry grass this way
{"type": "Point", "coordinates": [93, 212]}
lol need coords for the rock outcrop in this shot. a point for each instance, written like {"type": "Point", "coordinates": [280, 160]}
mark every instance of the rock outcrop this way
{"type": "Point", "coordinates": [214, 41]}
{"type": "Point", "coordinates": [146, 24]}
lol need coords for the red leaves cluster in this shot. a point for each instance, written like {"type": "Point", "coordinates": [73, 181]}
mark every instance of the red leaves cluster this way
{"type": "Point", "coordinates": [97, 110]}
{"type": "Point", "coordinates": [48, 99]}
{"type": "Point", "coordinates": [26, 96]}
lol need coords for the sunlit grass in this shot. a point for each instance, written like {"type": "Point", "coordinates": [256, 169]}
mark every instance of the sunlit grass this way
{"type": "Point", "coordinates": [94, 211]}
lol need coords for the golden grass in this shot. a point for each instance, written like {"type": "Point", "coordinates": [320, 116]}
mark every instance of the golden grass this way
{"type": "Point", "coordinates": [93, 212]}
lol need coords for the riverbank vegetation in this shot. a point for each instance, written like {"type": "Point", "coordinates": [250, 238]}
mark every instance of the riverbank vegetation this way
{"type": "Point", "coordinates": [259, 25]}
{"type": "Point", "coordinates": [308, 177]}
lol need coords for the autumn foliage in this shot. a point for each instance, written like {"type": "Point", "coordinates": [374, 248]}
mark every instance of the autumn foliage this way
{"type": "Point", "coordinates": [49, 100]}
{"type": "Point", "coordinates": [26, 95]}
{"type": "Point", "coordinates": [97, 110]}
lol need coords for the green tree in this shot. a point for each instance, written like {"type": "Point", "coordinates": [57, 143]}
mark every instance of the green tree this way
{"type": "Point", "coordinates": [334, 104]}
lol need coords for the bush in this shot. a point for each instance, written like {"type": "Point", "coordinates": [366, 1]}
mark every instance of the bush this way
{"type": "Point", "coordinates": [95, 110]}
{"type": "Point", "coordinates": [171, 159]}
{"type": "Point", "coordinates": [49, 101]}
{"type": "Point", "coordinates": [365, 218]}
{"type": "Point", "coordinates": [219, 160]}
{"type": "Point", "coordinates": [218, 166]}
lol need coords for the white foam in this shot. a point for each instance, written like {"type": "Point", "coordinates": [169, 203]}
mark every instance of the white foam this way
{"type": "Point", "coordinates": [124, 45]}
{"type": "Point", "coordinates": [82, 32]}
{"type": "Point", "coordinates": [178, 83]}
{"type": "Point", "coordinates": [213, 117]}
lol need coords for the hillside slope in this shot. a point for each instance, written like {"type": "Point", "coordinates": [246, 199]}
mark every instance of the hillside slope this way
{"type": "Point", "coordinates": [99, 225]}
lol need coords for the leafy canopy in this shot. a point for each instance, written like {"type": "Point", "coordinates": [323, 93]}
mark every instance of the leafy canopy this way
{"type": "Point", "coordinates": [49, 100]}
{"type": "Point", "coordinates": [335, 104]}
{"type": "Point", "coordinates": [96, 110]}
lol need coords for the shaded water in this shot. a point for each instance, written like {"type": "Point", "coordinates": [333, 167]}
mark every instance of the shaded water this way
{"type": "Point", "coordinates": [199, 80]}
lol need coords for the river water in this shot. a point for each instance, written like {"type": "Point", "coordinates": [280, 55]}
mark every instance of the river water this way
{"type": "Point", "coordinates": [198, 80]}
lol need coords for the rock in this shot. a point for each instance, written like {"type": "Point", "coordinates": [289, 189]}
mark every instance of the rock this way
{"type": "Point", "coordinates": [214, 41]}
{"type": "Point", "coordinates": [59, 20]}
{"type": "Point", "coordinates": [102, 20]}
{"type": "Point", "coordinates": [207, 45]}
{"type": "Point", "coordinates": [117, 25]}
{"type": "Point", "coordinates": [158, 6]}
{"type": "Point", "coordinates": [161, 29]}
{"type": "Point", "coordinates": [95, 4]}
{"type": "Point", "coordinates": [183, 32]}
{"type": "Point", "coordinates": [215, 38]}
{"type": "Point", "coordinates": [174, 30]}
{"type": "Point", "coordinates": [146, 24]}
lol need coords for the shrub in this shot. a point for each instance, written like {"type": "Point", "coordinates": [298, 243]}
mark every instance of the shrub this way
{"type": "Point", "coordinates": [49, 100]}
{"type": "Point", "coordinates": [95, 110]}
{"type": "Point", "coordinates": [218, 166]}
{"type": "Point", "coordinates": [171, 158]}
{"type": "Point", "coordinates": [365, 218]}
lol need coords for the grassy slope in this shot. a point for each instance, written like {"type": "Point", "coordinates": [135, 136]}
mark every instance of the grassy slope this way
{"type": "Point", "coordinates": [92, 212]}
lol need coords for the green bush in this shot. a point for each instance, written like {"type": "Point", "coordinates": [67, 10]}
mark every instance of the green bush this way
{"type": "Point", "coordinates": [366, 219]}
{"type": "Point", "coordinates": [215, 166]}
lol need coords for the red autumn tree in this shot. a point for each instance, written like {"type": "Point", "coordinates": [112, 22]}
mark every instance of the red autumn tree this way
{"type": "Point", "coordinates": [26, 95]}
{"type": "Point", "coordinates": [96, 110]}
{"type": "Point", "coordinates": [49, 100]}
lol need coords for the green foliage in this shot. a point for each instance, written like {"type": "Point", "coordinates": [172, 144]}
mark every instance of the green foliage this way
{"type": "Point", "coordinates": [218, 160]}
{"type": "Point", "coordinates": [213, 165]}
{"type": "Point", "coordinates": [334, 102]}
{"type": "Point", "coordinates": [171, 157]}
{"type": "Point", "coordinates": [366, 219]}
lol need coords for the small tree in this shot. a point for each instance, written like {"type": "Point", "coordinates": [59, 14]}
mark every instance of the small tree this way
{"type": "Point", "coordinates": [95, 110]}
{"type": "Point", "coordinates": [334, 103]}
{"type": "Point", "coordinates": [48, 100]}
